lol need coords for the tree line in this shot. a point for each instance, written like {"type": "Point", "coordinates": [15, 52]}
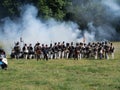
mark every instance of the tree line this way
{"type": "Point", "coordinates": [78, 11]}
{"type": "Point", "coordinates": [46, 8]}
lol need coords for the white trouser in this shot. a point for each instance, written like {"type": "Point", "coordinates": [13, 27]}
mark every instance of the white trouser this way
{"type": "Point", "coordinates": [63, 54]}
{"type": "Point", "coordinates": [96, 56]}
{"type": "Point", "coordinates": [107, 56]}
{"type": "Point", "coordinates": [80, 56]}
{"type": "Point", "coordinates": [112, 55]}
{"type": "Point", "coordinates": [59, 54]}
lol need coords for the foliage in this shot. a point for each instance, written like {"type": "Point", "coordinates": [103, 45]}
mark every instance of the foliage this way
{"type": "Point", "coordinates": [10, 6]}
{"type": "Point", "coordinates": [47, 8]}
{"type": "Point", "coordinates": [84, 11]}
{"type": "Point", "coordinates": [79, 11]}
{"type": "Point", "coordinates": [44, 10]}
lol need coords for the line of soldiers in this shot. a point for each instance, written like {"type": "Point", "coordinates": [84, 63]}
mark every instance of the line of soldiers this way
{"type": "Point", "coordinates": [96, 50]}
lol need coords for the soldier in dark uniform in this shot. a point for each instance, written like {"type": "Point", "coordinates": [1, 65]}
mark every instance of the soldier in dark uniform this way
{"type": "Point", "coordinates": [38, 51]}
{"type": "Point", "coordinates": [35, 54]}
{"type": "Point", "coordinates": [77, 51]}
{"type": "Point", "coordinates": [50, 52]}
{"type": "Point", "coordinates": [112, 50]}
{"type": "Point", "coordinates": [59, 50]}
{"type": "Point", "coordinates": [63, 50]}
{"type": "Point", "coordinates": [25, 51]}
{"type": "Point", "coordinates": [106, 48]}
{"type": "Point", "coordinates": [84, 50]}
{"type": "Point", "coordinates": [80, 48]}
{"type": "Point", "coordinates": [67, 50]}
{"type": "Point", "coordinates": [45, 52]}
{"type": "Point", "coordinates": [12, 54]}
{"type": "Point", "coordinates": [71, 50]}
{"type": "Point", "coordinates": [88, 50]}
{"type": "Point", "coordinates": [30, 51]}
{"type": "Point", "coordinates": [101, 51]}
{"type": "Point", "coordinates": [17, 50]}
{"type": "Point", "coordinates": [95, 50]}
{"type": "Point", "coordinates": [55, 50]}
{"type": "Point", "coordinates": [42, 48]}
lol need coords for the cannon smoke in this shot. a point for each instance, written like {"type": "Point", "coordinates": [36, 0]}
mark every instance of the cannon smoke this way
{"type": "Point", "coordinates": [98, 15]}
{"type": "Point", "coordinates": [32, 29]}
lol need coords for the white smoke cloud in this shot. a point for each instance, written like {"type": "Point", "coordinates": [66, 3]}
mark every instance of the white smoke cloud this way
{"type": "Point", "coordinates": [35, 30]}
{"type": "Point", "coordinates": [32, 29]}
{"type": "Point", "coordinates": [113, 7]}
{"type": "Point", "coordinates": [99, 17]}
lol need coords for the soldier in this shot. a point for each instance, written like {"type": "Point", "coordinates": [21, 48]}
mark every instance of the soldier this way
{"type": "Point", "coordinates": [63, 49]}
{"type": "Point", "coordinates": [95, 50]}
{"type": "Point", "coordinates": [71, 50]}
{"type": "Point", "coordinates": [100, 49]}
{"type": "Point", "coordinates": [81, 52]}
{"type": "Point", "coordinates": [106, 48]}
{"type": "Point", "coordinates": [31, 52]}
{"type": "Point", "coordinates": [17, 50]}
{"type": "Point", "coordinates": [88, 50]}
{"type": "Point", "coordinates": [112, 50]}
{"type": "Point", "coordinates": [25, 51]}
{"type": "Point", "coordinates": [76, 52]}
{"type": "Point", "coordinates": [67, 50]}
{"type": "Point", "coordinates": [35, 47]}
{"type": "Point", "coordinates": [59, 50]}
{"type": "Point", "coordinates": [38, 51]}
{"type": "Point", "coordinates": [55, 50]}
{"type": "Point", "coordinates": [12, 55]}
{"type": "Point", "coordinates": [84, 50]}
{"type": "Point", "coordinates": [45, 52]}
{"type": "Point", "coordinates": [50, 51]}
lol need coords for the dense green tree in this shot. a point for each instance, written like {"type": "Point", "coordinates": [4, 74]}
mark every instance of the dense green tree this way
{"type": "Point", "coordinates": [58, 8]}
{"type": "Point", "coordinates": [43, 8]}
{"type": "Point", "coordinates": [10, 6]}
{"type": "Point", "coordinates": [52, 8]}
{"type": "Point", "coordinates": [79, 11]}
{"type": "Point", "coordinates": [47, 8]}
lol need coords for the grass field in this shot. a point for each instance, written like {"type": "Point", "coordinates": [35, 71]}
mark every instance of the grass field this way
{"type": "Point", "coordinates": [62, 74]}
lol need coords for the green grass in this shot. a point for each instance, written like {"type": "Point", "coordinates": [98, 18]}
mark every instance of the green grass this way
{"type": "Point", "coordinates": [62, 74]}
